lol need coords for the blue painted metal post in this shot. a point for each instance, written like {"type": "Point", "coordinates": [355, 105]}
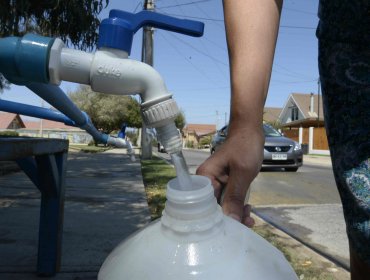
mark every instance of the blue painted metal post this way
{"type": "Point", "coordinates": [51, 174]}
{"type": "Point", "coordinates": [44, 162]}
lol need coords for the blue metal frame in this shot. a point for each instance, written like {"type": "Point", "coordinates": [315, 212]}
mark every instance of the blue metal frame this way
{"type": "Point", "coordinates": [44, 162]}
{"type": "Point", "coordinates": [55, 96]}
{"type": "Point", "coordinates": [34, 111]}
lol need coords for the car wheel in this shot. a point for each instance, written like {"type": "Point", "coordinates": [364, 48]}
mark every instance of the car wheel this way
{"type": "Point", "coordinates": [291, 169]}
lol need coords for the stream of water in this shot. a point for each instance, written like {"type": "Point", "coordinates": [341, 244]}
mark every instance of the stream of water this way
{"type": "Point", "coordinates": [182, 171]}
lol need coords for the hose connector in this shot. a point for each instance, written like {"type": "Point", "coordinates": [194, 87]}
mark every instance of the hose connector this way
{"type": "Point", "coordinates": [122, 143]}
{"type": "Point", "coordinates": [170, 137]}
{"type": "Point", "coordinates": [161, 113]}
{"type": "Point", "coordinates": [162, 116]}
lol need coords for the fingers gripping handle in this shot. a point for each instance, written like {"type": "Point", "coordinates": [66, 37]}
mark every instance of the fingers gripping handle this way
{"type": "Point", "coordinates": [118, 30]}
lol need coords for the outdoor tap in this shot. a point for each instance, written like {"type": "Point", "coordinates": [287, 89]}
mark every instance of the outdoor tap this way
{"type": "Point", "coordinates": [109, 70]}
{"type": "Point", "coordinates": [41, 60]}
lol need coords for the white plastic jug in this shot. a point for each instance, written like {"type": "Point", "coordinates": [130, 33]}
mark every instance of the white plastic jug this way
{"type": "Point", "coordinates": [195, 240]}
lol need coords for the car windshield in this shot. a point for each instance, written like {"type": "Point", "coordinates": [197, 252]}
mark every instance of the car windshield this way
{"type": "Point", "coordinates": [270, 131]}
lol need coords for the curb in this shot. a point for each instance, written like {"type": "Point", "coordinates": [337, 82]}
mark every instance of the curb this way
{"type": "Point", "coordinates": [305, 252]}
{"type": "Point", "coordinates": [317, 160]}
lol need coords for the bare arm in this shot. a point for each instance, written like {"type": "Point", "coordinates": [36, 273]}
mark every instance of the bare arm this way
{"type": "Point", "coordinates": [251, 28]}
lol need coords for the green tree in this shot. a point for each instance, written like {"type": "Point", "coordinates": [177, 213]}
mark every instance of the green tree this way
{"type": "Point", "coordinates": [205, 141]}
{"type": "Point", "coordinates": [107, 112]}
{"type": "Point", "coordinates": [180, 121]}
{"type": "Point", "coordinates": [133, 113]}
{"type": "Point", "coordinates": [74, 21]}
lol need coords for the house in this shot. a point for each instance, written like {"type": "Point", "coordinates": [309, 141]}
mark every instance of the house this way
{"type": "Point", "coordinates": [302, 119]}
{"type": "Point", "coordinates": [52, 129]}
{"type": "Point", "coordinates": [42, 128]}
{"type": "Point", "coordinates": [193, 133]}
{"type": "Point", "coordinates": [10, 121]}
{"type": "Point", "coordinates": [302, 110]}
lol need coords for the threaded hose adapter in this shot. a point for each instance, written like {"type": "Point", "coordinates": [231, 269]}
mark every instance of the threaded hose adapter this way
{"type": "Point", "coordinates": [161, 113]}
{"type": "Point", "coordinates": [162, 116]}
{"type": "Point", "coordinates": [170, 137]}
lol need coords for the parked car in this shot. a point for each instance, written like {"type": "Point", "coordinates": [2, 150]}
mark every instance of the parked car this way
{"type": "Point", "coordinates": [160, 148]}
{"type": "Point", "coordinates": [279, 151]}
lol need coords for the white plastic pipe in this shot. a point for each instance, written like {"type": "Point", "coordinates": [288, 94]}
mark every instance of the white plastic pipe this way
{"type": "Point", "coordinates": [108, 71]}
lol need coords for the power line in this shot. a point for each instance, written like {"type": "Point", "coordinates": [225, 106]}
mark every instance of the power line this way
{"type": "Point", "coordinates": [201, 89]}
{"type": "Point", "coordinates": [137, 6]}
{"type": "Point", "coordinates": [290, 72]}
{"type": "Point", "coordinates": [184, 4]}
{"type": "Point", "coordinates": [199, 51]}
{"type": "Point", "coordinates": [188, 60]}
{"type": "Point", "coordinates": [214, 43]}
{"type": "Point", "coordinates": [201, 1]}
{"type": "Point", "coordinates": [297, 27]}
{"type": "Point", "coordinates": [293, 82]}
{"type": "Point", "coordinates": [299, 11]}
{"type": "Point", "coordinates": [179, 6]}
{"type": "Point", "coordinates": [201, 18]}
{"type": "Point", "coordinates": [219, 24]}
{"type": "Point", "coordinates": [221, 20]}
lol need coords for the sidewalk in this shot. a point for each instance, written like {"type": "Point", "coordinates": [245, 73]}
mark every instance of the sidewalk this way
{"type": "Point", "coordinates": [105, 202]}
{"type": "Point", "coordinates": [317, 160]}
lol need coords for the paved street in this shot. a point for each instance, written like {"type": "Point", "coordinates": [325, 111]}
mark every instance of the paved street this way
{"type": "Point", "coordinates": [304, 204]}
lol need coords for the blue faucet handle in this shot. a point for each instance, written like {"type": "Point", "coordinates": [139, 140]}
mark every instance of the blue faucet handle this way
{"type": "Point", "coordinates": [118, 30]}
{"type": "Point", "coordinates": [148, 18]}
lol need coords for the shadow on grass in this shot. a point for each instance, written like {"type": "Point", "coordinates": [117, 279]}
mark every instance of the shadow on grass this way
{"type": "Point", "coordinates": [156, 173]}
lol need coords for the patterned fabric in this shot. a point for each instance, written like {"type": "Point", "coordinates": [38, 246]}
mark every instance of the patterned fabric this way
{"type": "Point", "coordinates": [356, 179]}
{"type": "Point", "coordinates": [344, 20]}
{"type": "Point", "coordinates": [345, 78]}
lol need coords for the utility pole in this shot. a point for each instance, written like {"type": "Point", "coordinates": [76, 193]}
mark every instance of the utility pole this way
{"type": "Point", "coordinates": [147, 57]}
{"type": "Point", "coordinates": [41, 121]}
{"type": "Point", "coordinates": [318, 101]}
{"type": "Point", "coordinates": [217, 119]}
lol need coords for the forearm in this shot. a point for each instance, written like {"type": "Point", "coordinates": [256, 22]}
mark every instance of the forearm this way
{"type": "Point", "coordinates": [251, 27]}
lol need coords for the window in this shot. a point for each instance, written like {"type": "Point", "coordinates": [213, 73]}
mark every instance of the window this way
{"type": "Point", "coordinates": [294, 113]}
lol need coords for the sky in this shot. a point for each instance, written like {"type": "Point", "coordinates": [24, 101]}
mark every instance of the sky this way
{"type": "Point", "coordinates": [196, 70]}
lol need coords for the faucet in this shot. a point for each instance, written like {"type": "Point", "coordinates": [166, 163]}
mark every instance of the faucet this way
{"type": "Point", "coordinates": [41, 63]}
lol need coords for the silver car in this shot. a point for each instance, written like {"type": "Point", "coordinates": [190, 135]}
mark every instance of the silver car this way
{"type": "Point", "coordinates": [279, 151]}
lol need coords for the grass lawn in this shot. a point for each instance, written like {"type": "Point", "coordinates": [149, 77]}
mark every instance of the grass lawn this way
{"type": "Point", "coordinates": [88, 149]}
{"type": "Point", "coordinates": [156, 174]}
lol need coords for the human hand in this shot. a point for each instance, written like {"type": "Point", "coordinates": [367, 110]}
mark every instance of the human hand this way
{"type": "Point", "coordinates": [232, 169]}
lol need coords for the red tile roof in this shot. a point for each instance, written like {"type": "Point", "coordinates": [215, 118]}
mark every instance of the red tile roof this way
{"type": "Point", "coordinates": [6, 120]}
{"type": "Point", "coordinates": [47, 124]}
